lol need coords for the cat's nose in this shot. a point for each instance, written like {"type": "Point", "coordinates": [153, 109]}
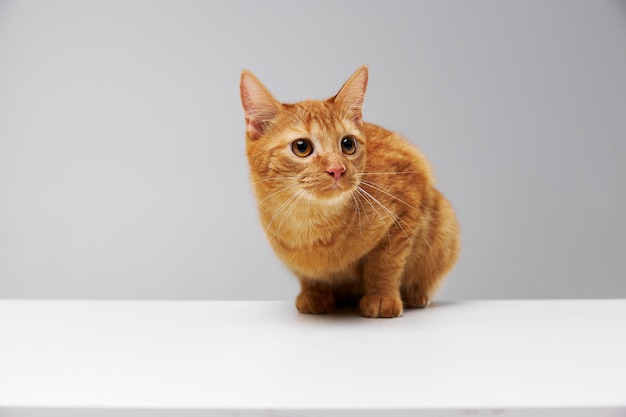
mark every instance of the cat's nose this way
{"type": "Point", "coordinates": [336, 172]}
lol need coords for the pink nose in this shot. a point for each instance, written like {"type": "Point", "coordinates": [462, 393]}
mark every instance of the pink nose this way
{"type": "Point", "coordinates": [336, 172]}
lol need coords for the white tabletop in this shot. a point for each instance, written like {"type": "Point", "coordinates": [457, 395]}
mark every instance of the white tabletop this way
{"type": "Point", "coordinates": [248, 358]}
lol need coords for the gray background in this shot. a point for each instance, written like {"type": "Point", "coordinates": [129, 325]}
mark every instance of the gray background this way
{"type": "Point", "coordinates": [122, 165]}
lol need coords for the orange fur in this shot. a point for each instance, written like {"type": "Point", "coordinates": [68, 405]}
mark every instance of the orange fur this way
{"type": "Point", "coordinates": [367, 226]}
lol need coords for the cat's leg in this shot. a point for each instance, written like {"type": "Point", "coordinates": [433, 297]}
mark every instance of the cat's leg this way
{"type": "Point", "coordinates": [419, 283]}
{"type": "Point", "coordinates": [382, 276]}
{"type": "Point", "coordinates": [432, 256]}
{"type": "Point", "coordinates": [421, 276]}
{"type": "Point", "coordinates": [316, 297]}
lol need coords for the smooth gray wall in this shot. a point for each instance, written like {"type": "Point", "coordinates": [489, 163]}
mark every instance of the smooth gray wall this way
{"type": "Point", "coordinates": [122, 164]}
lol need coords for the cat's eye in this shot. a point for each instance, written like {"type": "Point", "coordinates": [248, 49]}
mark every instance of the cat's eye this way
{"type": "Point", "coordinates": [302, 147]}
{"type": "Point", "coordinates": [348, 145]}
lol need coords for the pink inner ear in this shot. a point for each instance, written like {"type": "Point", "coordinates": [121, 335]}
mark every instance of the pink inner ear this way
{"type": "Point", "coordinates": [255, 126]}
{"type": "Point", "coordinates": [259, 105]}
{"type": "Point", "coordinates": [352, 94]}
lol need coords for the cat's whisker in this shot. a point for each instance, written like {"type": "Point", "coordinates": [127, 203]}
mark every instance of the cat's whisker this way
{"type": "Point", "coordinates": [366, 196]}
{"type": "Point", "coordinates": [359, 206]}
{"type": "Point", "coordinates": [357, 189]}
{"type": "Point", "coordinates": [373, 184]}
{"type": "Point", "coordinates": [355, 203]}
{"type": "Point", "coordinates": [276, 180]}
{"type": "Point", "coordinates": [360, 200]}
{"type": "Point", "coordinates": [280, 209]}
{"type": "Point", "coordinates": [287, 178]}
{"type": "Point", "coordinates": [377, 188]}
{"type": "Point", "coordinates": [260, 203]}
{"type": "Point", "coordinates": [308, 212]}
{"type": "Point", "coordinates": [396, 219]}
{"type": "Point", "coordinates": [388, 173]}
{"type": "Point", "coordinates": [298, 197]}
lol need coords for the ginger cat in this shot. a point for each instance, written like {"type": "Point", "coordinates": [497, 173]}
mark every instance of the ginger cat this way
{"type": "Point", "coordinates": [348, 206]}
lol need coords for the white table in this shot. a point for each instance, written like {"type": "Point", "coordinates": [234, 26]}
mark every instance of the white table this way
{"type": "Point", "coordinates": [191, 358]}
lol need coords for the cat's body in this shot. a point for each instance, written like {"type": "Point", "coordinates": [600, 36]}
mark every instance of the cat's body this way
{"type": "Point", "coordinates": [348, 206]}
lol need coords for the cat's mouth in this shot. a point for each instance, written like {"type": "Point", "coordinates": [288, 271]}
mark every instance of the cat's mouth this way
{"type": "Point", "coordinates": [333, 189]}
{"type": "Point", "coordinates": [335, 186]}
{"type": "Point", "coordinates": [325, 188]}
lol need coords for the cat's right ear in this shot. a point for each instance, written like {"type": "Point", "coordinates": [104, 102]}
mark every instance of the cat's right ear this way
{"type": "Point", "coordinates": [350, 97]}
{"type": "Point", "coordinates": [259, 105]}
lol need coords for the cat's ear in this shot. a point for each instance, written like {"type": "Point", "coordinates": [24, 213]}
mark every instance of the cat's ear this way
{"type": "Point", "coordinates": [259, 105]}
{"type": "Point", "coordinates": [350, 97]}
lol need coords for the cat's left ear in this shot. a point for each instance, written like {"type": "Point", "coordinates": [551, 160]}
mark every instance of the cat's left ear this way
{"type": "Point", "coordinates": [259, 105]}
{"type": "Point", "coordinates": [350, 97]}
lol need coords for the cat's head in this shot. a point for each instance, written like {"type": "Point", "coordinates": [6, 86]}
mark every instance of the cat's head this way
{"type": "Point", "coordinates": [312, 149]}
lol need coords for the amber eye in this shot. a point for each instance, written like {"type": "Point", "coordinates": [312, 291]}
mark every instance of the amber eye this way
{"type": "Point", "coordinates": [348, 145]}
{"type": "Point", "coordinates": [302, 147]}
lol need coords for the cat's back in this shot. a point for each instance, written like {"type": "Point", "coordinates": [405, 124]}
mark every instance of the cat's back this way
{"type": "Point", "coordinates": [390, 153]}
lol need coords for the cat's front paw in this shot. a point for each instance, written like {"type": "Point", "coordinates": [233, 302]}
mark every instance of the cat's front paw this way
{"type": "Point", "coordinates": [374, 306]}
{"type": "Point", "coordinates": [315, 302]}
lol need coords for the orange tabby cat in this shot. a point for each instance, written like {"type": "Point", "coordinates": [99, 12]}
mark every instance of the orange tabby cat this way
{"type": "Point", "coordinates": [349, 207]}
